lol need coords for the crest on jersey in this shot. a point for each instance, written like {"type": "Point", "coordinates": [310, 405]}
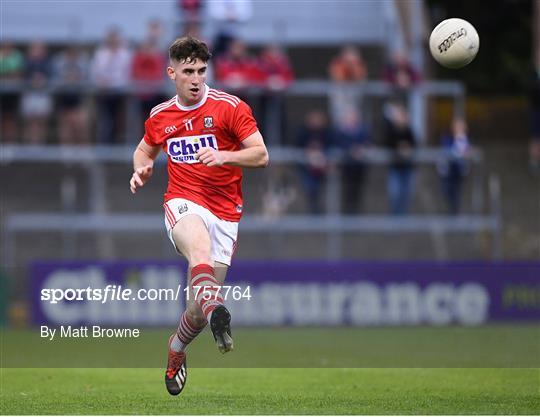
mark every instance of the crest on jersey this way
{"type": "Point", "coordinates": [208, 121]}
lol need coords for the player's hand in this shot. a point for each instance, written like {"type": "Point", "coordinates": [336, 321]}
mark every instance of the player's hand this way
{"type": "Point", "coordinates": [139, 177]}
{"type": "Point", "coordinates": [210, 157]}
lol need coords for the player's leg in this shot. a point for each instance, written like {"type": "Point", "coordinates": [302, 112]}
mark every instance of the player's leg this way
{"type": "Point", "coordinates": [220, 323]}
{"type": "Point", "coordinates": [224, 235]}
{"type": "Point", "coordinates": [191, 238]}
{"type": "Point", "coordinates": [193, 320]}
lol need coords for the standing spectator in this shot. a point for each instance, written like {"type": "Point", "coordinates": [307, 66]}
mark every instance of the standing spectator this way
{"type": "Point", "coordinates": [11, 71]}
{"type": "Point", "coordinates": [36, 102]}
{"type": "Point", "coordinates": [110, 64]}
{"type": "Point", "coordinates": [237, 69]}
{"type": "Point", "coordinates": [277, 75]}
{"type": "Point", "coordinates": [455, 165]}
{"type": "Point", "coordinates": [148, 69]}
{"type": "Point", "coordinates": [191, 12]}
{"type": "Point", "coordinates": [346, 68]}
{"type": "Point", "coordinates": [352, 137]}
{"type": "Point", "coordinates": [400, 73]}
{"type": "Point", "coordinates": [70, 73]}
{"type": "Point", "coordinates": [227, 16]}
{"type": "Point", "coordinates": [400, 141]}
{"type": "Point", "coordinates": [534, 148]}
{"type": "Point", "coordinates": [314, 137]}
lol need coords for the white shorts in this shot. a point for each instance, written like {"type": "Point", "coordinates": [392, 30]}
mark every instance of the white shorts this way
{"type": "Point", "coordinates": [223, 234]}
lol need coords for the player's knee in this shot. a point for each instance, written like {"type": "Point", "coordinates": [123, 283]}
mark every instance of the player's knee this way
{"type": "Point", "coordinates": [200, 256]}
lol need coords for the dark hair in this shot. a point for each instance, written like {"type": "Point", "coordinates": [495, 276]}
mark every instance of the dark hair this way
{"type": "Point", "coordinates": [188, 49]}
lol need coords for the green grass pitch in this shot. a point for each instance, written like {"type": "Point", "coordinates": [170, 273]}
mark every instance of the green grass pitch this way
{"type": "Point", "coordinates": [273, 391]}
{"type": "Point", "coordinates": [450, 370]}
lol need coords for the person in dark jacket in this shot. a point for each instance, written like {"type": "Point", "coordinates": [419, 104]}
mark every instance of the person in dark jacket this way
{"type": "Point", "coordinates": [314, 138]}
{"type": "Point", "coordinates": [400, 141]}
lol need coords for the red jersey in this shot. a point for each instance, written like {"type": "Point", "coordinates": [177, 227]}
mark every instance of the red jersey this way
{"type": "Point", "coordinates": [220, 121]}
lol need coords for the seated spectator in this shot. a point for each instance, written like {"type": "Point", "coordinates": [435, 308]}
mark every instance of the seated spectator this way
{"type": "Point", "coordinates": [346, 68]}
{"type": "Point", "coordinates": [401, 142]}
{"type": "Point", "coordinates": [276, 76]}
{"type": "Point", "coordinates": [36, 102]}
{"type": "Point", "coordinates": [314, 137]}
{"type": "Point", "coordinates": [352, 138]}
{"type": "Point", "coordinates": [11, 70]}
{"type": "Point", "coordinates": [70, 72]}
{"type": "Point", "coordinates": [455, 163]}
{"type": "Point", "coordinates": [110, 69]}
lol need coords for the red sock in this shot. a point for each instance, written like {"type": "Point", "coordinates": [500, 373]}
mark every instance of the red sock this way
{"type": "Point", "coordinates": [187, 331]}
{"type": "Point", "coordinates": [206, 288]}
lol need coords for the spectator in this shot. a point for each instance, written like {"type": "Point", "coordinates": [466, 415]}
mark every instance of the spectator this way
{"type": "Point", "coordinates": [454, 167]}
{"type": "Point", "coordinates": [314, 138]}
{"type": "Point", "coordinates": [400, 73]}
{"type": "Point", "coordinates": [154, 34]}
{"type": "Point", "coordinates": [236, 69]}
{"type": "Point", "coordinates": [227, 16]}
{"type": "Point", "coordinates": [534, 148]}
{"type": "Point", "coordinates": [191, 11]}
{"type": "Point", "coordinates": [70, 72]}
{"type": "Point", "coordinates": [400, 141]}
{"type": "Point", "coordinates": [352, 137]}
{"type": "Point", "coordinates": [36, 102]}
{"type": "Point", "coordinates": [11, 71]}
{"type": "Point", "coordinates": [276, 69]}
{"type": "Point", "coordinates": [148, 69]}
{"type": "Point", "coordinates": [109, 68]}
{"type": "Point", "coordinates": [346, 68]}
{"type": "Point", "coordinates": [276, 76]}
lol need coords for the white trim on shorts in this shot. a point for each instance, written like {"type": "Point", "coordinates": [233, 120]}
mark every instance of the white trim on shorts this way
{"type": "Point", "coordinates": [223, 233]}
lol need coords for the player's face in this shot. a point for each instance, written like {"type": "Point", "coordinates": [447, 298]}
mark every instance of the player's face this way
{"type": "Point", "coordinates": [189, 78]}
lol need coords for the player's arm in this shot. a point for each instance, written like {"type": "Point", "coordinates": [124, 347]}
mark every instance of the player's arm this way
{"type": "Point", "coordinates": [252, 155]}
{"type": "Point", "coordinates": [143, 164]}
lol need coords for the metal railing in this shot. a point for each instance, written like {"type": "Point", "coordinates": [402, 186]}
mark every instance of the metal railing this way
{"type": "Point", "coordinates": [301, 88]}
{"type": "Point", "coordinates": [99, 219]}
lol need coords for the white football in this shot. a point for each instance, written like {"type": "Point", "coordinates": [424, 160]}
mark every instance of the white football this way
{"type": "Point", "coordinates": [454, 43]}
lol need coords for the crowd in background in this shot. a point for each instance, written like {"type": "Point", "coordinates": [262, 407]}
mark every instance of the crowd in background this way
{"type": "Point", "coordinates": [115, 70]}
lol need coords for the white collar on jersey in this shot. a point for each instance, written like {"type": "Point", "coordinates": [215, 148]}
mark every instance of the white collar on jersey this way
{"type": "Point", "coordinates": [196, 105]}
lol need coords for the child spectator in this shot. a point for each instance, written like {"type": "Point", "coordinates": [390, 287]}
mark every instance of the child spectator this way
{"type": "Point", "coordinates": [455, 165]}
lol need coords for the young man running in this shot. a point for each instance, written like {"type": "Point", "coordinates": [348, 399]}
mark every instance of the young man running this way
{"type": "Point", "coordinates": [208, 136]}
